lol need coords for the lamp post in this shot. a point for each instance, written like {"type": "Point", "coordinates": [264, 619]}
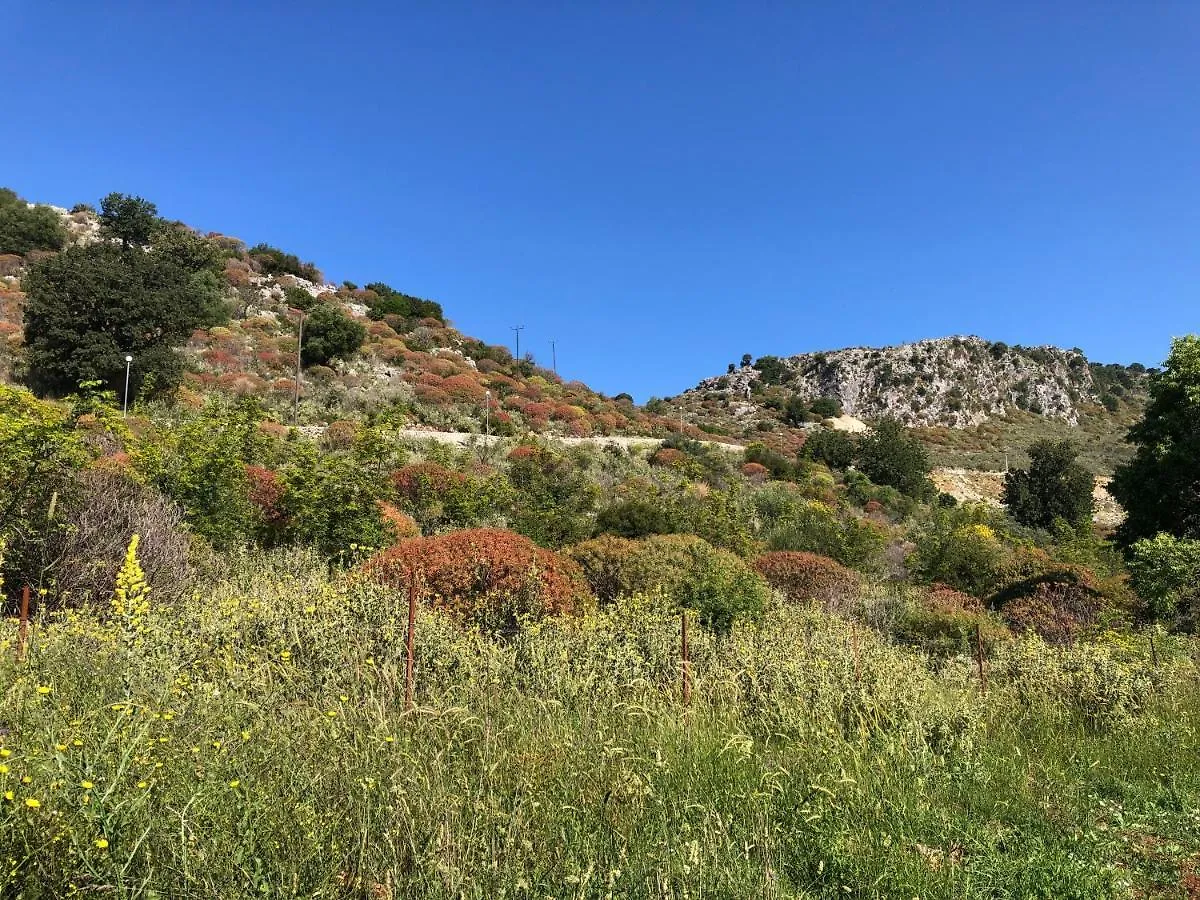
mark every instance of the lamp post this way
{"type": "Point", "coordinates": [125, 399]}
{"type": "Point", "coordinates": [487, 420]}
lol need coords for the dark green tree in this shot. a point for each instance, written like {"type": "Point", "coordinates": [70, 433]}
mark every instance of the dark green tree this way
{"type": "Point", "coordinates": [836, 449]}
{"type": "Point", "coordinates": [1055, 486]}
{"type": "Point", "coordinates": [24, 228]}
{"type": "Point", "coordinates": [89, 306]}
{"type": "Point", "coordinates": [888, 455]}
{"type": "Point", "coordinates": [330, 334]}
{"type": "Point", "coordinates": [1160, 487]}
{"type": "Point", "coordinates": [131, 220]}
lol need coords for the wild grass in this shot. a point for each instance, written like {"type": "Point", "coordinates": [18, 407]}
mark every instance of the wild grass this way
{"type": "Point", "coordinates": [252, 740]}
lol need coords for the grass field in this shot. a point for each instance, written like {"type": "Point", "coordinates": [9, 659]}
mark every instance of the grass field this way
{"type": "Point", "coordinates": [253, 741]}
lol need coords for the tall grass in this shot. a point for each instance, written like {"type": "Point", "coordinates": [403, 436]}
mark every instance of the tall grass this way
{"type": "Point", "coordinates": [252, 741]}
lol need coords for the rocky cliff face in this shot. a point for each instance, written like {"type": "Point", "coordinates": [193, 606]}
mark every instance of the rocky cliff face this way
{"type": "Point", "coordinates": [956, 381]}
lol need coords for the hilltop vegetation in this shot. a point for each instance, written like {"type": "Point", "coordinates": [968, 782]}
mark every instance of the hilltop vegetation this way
{"type": "Point", "coordinates": [214, 316]}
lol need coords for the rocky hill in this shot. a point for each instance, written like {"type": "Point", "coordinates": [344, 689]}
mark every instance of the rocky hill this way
{"type": "Point", "coordinates": [957, 382]}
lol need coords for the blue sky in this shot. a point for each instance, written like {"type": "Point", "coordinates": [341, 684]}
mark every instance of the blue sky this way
{"type": "Point", "coordinates": [659, 188]}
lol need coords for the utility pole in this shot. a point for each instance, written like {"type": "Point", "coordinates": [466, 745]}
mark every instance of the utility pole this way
{"type": "Point", "coordinates": [125, 399]}
{"type": "Point", "coordinates": [553, 357]}
{"type": "Point", "coordinates": [487, 419]}
{"type": "Point", "coordinates": [517, 330]}
{"type": "Point", "coordinates": [299, 350]}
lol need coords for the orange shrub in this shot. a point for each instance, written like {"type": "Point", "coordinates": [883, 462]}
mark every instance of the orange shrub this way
{"type": "Point", "coordinates": [401, 526]}
{"type": "Point", "coordinates": [420, 480]}
{"type": "Point", "coordinates": [755, 471]}
{"type": "Point", "coordinates": [802, 577]}
{"type": "Point", "coordinates": [668, 456]}
{"type": "Point", "coordinates": [464, 389]}
{"type": "Point", "coordinates": [488, 576]}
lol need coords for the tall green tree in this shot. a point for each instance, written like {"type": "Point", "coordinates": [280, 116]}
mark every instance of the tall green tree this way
{"type": "Point", "coordinates": [89, 306]}
{"type": "Point", "coordinates": [131, 220]}
{"type": "Point", "coordinates": [1160, 487]}
{"type": "Point", "coordinates": [889, 455]}
{"type": "Point", "coordinates": [330, 334]}
{"type": "Point", "coordinates": [1055, 486]}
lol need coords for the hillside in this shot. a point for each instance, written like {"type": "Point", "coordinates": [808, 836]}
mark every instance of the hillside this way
{"type": "Point", "coordinates": [971, 400]}
{"type": "Point", "coordinates": [413, 367]}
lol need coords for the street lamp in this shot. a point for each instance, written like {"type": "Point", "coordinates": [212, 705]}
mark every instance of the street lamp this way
{"type": "Point", "coordinates": [125, 399]}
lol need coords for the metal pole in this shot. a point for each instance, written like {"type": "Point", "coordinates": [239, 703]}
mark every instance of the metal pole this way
{"type": "Point", "coordinates": [517, 330]}
{"type": "Point", "coordinates": [979, 658]}
{"type": "Point", "coordinates": [554, 357]}
{"type": "Point", "coordinates": [412, 627]}
{"type": "Point", "coordinates": [23, 629]}
{"type": "Point", "coordinates": [125, 399]}
{"type": "Point", "coordinates": [487, 419]}
{"type": "Point", "coordinates": [685, 673]}
{"type": "Point", "coordinates": [299, 350]}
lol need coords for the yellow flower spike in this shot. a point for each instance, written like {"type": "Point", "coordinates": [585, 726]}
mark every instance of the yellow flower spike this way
{"type": "Point", "coordinates": [245, 735]}
{"type": "Point", "coordinates": [3, 769]}
{"type": "Point", "coordinates": [332, 713]}
{"type": "Point", "coordinates": [77, 743]}
{"type": "Point", "coordinates": [234, 783]}
{"type": "Point", "coordinates": [5, 754]}
{"type": "Point", "coordinates": [344, 698]}
{"type": "Point", "coordinates": [26, 780]}
{"type": "Point", "coordinates": [32, 802]}
{"type": "Point", "coordinates": [102, 844]}
{"type": "Point", "coordinates": [60, 747]}
{"type": "Point", "coordinates": [87, 798]}
{"type": "Point", "coordinates": [286, 654]}
{"type": "Point", "coordinates": [9, 796]}
{"type": "Point", "coordinates": [142, 784]}
{"type": "Point", "coordinates": [389, 739]}
{"type": "Point", "coordinates": [86, 785]}
{"type": "Point", "coordinates": [44, 689]}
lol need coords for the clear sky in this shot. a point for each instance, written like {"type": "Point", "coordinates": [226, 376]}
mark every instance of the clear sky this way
{"type": "Point", "coordinates": [658, 187]}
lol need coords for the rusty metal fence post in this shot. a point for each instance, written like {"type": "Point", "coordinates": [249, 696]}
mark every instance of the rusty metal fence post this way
{"type": "Point", "coordinates": [686, 666]}
{"type": "Point", "coordinates": [409, 638]}
{"type": "Point", "coordinates": [23, 628]}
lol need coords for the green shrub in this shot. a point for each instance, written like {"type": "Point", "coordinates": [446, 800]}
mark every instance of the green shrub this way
{"type": "Point", "coordinates": [330, 334]}
{"type": "Point", "coordinates": [1165, 572]}
{"type": "Point", "coordinates": [815, 528]}
{"type": "Point", "coordinates": [635, 518]}
{"type": "Point", "coordinates": [944, 622]}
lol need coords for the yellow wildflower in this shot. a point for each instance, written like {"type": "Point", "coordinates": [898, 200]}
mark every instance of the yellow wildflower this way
{"type": "Point", "coordinates": [86, 785]}
{"type": "Point", "coordinates": [32, 802]}
{"type": "Point", "coordinates": [44, 689]}
{"type": "Point", "coordinates": [102, 844]}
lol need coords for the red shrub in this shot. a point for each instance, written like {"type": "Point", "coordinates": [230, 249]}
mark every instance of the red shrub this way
{"type": "Point", "coordinates": [1058, 606]}
{"type": "Point", "coordinates": [266, 493]}
{"type": "Point", "coordinates": [947, 599]}
{"type": "Point", "coordinates": [802, 577]}
{"type": "Point", "coordinates": [523, 451]}
{"type": "Point", "coordinates": [668, 456]}
{"type": "Point", "coordinates": [464, 389]}
{"type": "Point", "coordinates": [756, 471]}
{"type": "Point", "coordinates": [484, 575]}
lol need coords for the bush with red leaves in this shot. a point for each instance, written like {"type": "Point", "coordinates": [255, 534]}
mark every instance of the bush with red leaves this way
{"type": "Point", "coordinates": [668, 456]}
{"type": "Point", "coordinates": [803, 577]}
{"type": "Point", "coordinates": [486, 576]}
{"type": "Point", "coordinates": [756, 471]}
{"type": "Point", "coordinates": [266, 494]}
